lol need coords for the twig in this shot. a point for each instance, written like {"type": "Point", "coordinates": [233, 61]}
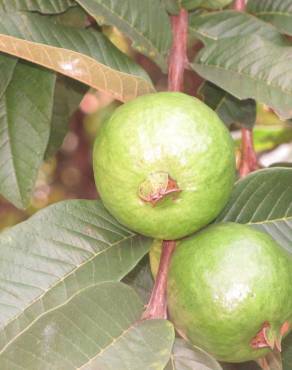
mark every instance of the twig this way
{"type": "Point", "coordinates": [248, 162]}
{"type": "Point", "coordinates": [157, 306]}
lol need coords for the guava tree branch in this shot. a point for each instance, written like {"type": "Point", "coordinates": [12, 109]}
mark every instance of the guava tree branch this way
{"type": "Point", "coordinates": [248, 162]}
{"type": "Point", "coordinates": [178, 53]}
{"type": "Point", "coordinates": [157, 306]}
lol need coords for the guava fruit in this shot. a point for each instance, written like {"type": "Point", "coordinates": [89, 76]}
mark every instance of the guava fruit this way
{"type": "Point", "coordinates": [164, 165]}
{"type": "Point", "coordinates": [230, 293]}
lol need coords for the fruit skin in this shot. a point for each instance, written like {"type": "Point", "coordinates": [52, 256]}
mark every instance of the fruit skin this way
{"type": "Point", "coordinates": [224, 283]}
{"type": "Point", "coordinates": [171, 133]}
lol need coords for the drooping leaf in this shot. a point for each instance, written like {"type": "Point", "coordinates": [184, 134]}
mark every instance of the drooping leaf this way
{"type": "Point", "coordinates": [146, 23]}
{"type": "Point", "coordinates": [98, 328]}
{"type": "Point", "coordinates": [277, 12]}
{"type": "Point", "coordinates": [229, 109]}
{"type": "Point", "coordinates": [209, 4]}
{"type": "Point", "coordinates": [42, 6]}
{"type": "Point", "coordinates": [263, 200]}
{"type": "Point", "coordinates": [7, 65]}
{"type": "Point", "coordinates": [213, 26]}
{"type": "Point", "coordinates": [25, 116]}
{"type": "Point", "coordinates": [187, 357]}
{"type": "Point", "coordinates": [68, 94]}
{"type": "Point", "coordinates": [60, 251]}
{"type": "Point", "coordinates": [82, 54]}
{"type": "Point", "coordinates": [250, 67]}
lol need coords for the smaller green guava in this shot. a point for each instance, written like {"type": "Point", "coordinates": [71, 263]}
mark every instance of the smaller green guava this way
{"type": "Point", "coordinates": [230, 292]}
{"type": "Point", "coordinates": [164, 165]}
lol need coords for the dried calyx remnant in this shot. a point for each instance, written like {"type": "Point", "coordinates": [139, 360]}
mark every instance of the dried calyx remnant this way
{"type": "Point", "coordinates": [156, 187]}
{"type": "Point", "coordinates": [270, 338]}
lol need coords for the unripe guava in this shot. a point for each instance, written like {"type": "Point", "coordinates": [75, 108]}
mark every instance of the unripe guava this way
{"type": "Point", "coordinates": [230, 292]}
{"type": "Point", "coordinates": [164, 165]}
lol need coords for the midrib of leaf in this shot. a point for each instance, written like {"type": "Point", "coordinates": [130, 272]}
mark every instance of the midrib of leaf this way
{"type": "Point", "coordinates": [124, 333]}
{"type": "Point", "coordinates": [60, 281]}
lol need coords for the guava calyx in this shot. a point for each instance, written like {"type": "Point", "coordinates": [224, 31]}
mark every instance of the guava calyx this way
{"type": "Point", "coordinates": [267, 337]}
{"type": "Point", "coordinates": [156, 187]}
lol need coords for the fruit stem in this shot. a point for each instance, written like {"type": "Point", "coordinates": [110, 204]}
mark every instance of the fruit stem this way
{"type": "Point", "coordinates": [178, 53]}
{"type": "Point", "coordinates": [248, 162]}
{"type": "Point", "coordinates": [157, 306]}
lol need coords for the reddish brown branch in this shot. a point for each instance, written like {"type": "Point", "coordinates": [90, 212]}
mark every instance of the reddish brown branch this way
{"type": "Point", "coordinates": [248, 162]}
{"type": "Point", "coordinates": [157, 306]}
{"type": "Point", "coordinates": [178, 53]}
{"type": "Point", "coordinates": [239, 5]}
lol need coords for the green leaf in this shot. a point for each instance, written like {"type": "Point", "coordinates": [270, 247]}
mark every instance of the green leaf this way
{"type": "Point", "coordinates": [25, 116]}
{"type": "Point", "coordinates": [229, 109]}
{"type": "Point", "coordinates": [250, 67]}
{"type": "Point", "coordinates": [263, 200]}
{"type": "Point", "coordinates": [141, 279]}
{"type": "Point", "coordinates": [145, 23]}
{"type": "Point", "coordinates": [82, 54]}
{"type": "Point", "coordinates": [213, 26]}
{"type": "Point", "coordinates": [98, 328]}
{"type": "Point", "coordinates": [42, 6]}
{"type": "Point", "coordinates": [68, 94]}
{"type": "Point", "coordinates": [171, 6]}
{"type": "Point", "coordinates": [7, 65]}
{"type": "Point", "coordinates": [61, 250]}
{"type": "Point", "coordinates": [277, 12]}
{"type": "Point", "coordinates": [188, 357]}
{"type": "Point", "coordinates": [209, 4]}
{"type": "Point", "coordinates": [287, 353]}
{"type": "Point", "coordinates": [73, 17]}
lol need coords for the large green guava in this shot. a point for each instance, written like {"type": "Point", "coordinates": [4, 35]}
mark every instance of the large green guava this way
{"type": "Point", "coordinates": [164, 165]}
{"type": "Point", "coordinates": [230, 292]}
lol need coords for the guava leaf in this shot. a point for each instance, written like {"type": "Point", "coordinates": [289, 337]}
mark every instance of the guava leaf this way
{"type": "Point", "coordinates": [97, 328]}
{"type": "Point", "coordinates": [82, 54]}
{"type": "Point", "coordinates": [213, 26]}
{"type": "Point", "coordinates": [209, 4]}
{"type": "Point", "coordinates": [187, 357]}
{"type": "Point", "coordinates": [263, 200]}
{"type": "Point", "coordinates": [277, 12]}
{"type": "Point", "coordinates": [171, 6]}
{"type": "Point", "coordinates": [287, 353]}
{"type": "Point", "coordinates": [67, 96]}
{"type": "Point", "coordinates": [141, 280]}
{"type": "Point", "coordinates": [145, 23]}
{"type": "Point", "coordinates": [25, 116]}
{"type": "Point", "coordinates": [54, 255]}
{"type": "Point", "coordinates": [250, 67]}
{"type": "Point", "coordinates": [42, 6]}
{"type": "Point", "coordinates": [229, 109]}
{"type": "Point", "coordinates": [7, 65]}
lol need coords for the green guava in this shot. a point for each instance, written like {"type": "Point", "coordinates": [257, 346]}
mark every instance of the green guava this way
{"type": "Point", "coordinates": [230, 292]}
{"type": "Point", "coordinates": [164, 165]}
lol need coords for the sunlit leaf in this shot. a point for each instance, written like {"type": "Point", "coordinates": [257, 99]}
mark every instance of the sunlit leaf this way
{"type": "Point", "coordinates": [42, 6]}
{"type": "Point", "coordinates": [83, 54]}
